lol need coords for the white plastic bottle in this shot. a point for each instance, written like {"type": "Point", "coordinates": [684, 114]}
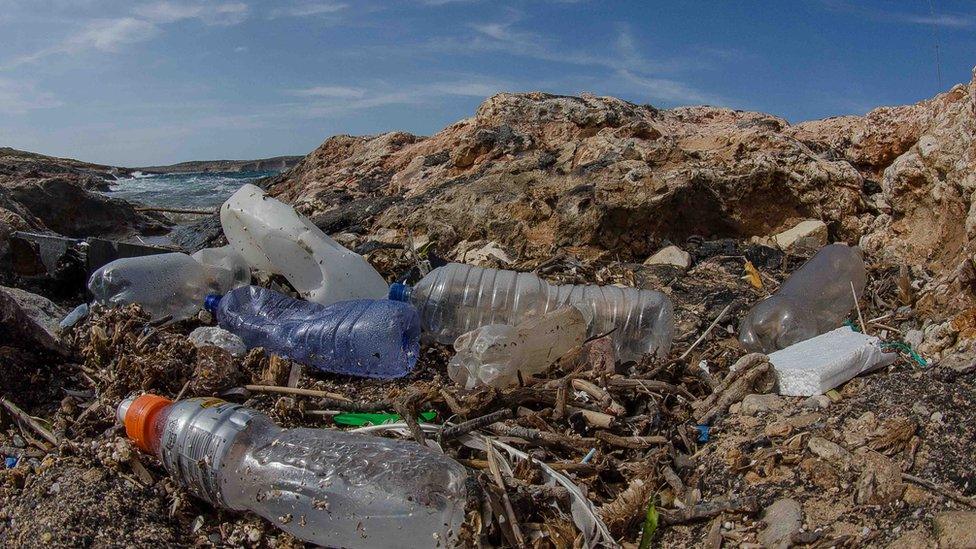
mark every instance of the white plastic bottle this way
{"type": "Point", "coordinates": [273, 237]}
{"type": "Point", "coordinates": [456, 298]}
{"type": "Point", "coordinates": [172, 284]}
{"type": "Point", "coordinates": [325, 487]}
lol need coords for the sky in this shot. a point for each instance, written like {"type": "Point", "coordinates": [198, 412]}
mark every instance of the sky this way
{"type": "Point", "coordinates": [142, 82]}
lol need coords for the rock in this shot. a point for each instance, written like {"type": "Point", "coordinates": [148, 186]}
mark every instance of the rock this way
{"type": "Point", "coordinates": [955, 529]}
{"type": "Point", "coordinates": [783, 518]}
{"type": "Point", "coordinates": [491, 254]}
{"type": "Point", "coordinates": [880, 480]}
{"type": "Point", "coordinates": [754, 404]}
{"type": "Point", "coordinates": [816, 402]}
{"type": "Point", "coordinates": [914, 338]}
{"type": "Point", "coordinates": [830, 452]}
{"type": "Point", "coordinates": [29, 321]}
{"type": "Point", "coordinates": [671, 255]}
{"type": "Point", "coordinates": [916, 539]}
{"type": "Point", "coordinates": [779, 429]}
{"type": "Point", "coordinates": [811, 233]}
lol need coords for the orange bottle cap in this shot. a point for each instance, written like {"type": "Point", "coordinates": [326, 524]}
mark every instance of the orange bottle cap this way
{"type": "Point", "coordinates": [139, 420]}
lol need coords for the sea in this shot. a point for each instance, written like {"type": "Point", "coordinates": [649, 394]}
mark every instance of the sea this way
{"type": "Point", "coordinates": [182, 190]}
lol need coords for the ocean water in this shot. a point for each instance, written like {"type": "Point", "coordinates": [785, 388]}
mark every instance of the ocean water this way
{"type": "Point", "coordinates": [182, 190]}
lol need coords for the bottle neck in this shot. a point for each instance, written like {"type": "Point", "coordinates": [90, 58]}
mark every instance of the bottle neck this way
{"type": "Point", "coordinates": [400, 292]}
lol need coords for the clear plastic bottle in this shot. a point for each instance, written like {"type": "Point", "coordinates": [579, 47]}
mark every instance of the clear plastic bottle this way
{"type": "Point", "coordinates": [172, 284]}
{"type": "Point", "coordinates": [495, 354]}
{"type": "Point", "coordinates": [325, 487]}
{"type": "Point", "coordinates": [273, 237]}
{"type": "Point", "coordinates": [369, 338]}
{"type": "Point", "coordinates": [813, 300]}
{"type": "Point", "coordinates": [456, 298]}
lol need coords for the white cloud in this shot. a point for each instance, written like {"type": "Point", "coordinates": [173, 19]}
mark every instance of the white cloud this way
{"type": "Point", "coordinates": [109, 34]}
{"type": "Point", "coordinates": [166, 11]}
{"type": "Point", "coordinates": [952, 21]}
{"type": "Point", "coordinates": [307, 9]}
{"type": "Point", "coordinates": [19, 98]}
{"type": "Point", "coordinates": [338, 92]}
{"type": "Point", "coordinates": [670, 91]}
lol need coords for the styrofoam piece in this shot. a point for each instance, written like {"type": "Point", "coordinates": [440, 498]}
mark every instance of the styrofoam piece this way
{"type": "Point", "coordinates": [817, 365]}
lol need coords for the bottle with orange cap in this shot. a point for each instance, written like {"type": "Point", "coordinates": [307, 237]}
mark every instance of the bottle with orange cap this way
{"type": "Point", "coordinates": [323, 486]}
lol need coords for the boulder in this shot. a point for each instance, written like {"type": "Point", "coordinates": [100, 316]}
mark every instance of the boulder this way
{"type": "Point", "coordinates": [671, 255]}
{"type": "Point", "coordinates": [29, 321]}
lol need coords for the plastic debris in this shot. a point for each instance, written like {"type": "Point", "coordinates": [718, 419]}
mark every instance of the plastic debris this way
{"type": "Point", "coordinates": [814, 299]}
{"type": "Point", "coordinates": [10, 462]}
{"type": "Point", "coordinates": [455, 299]}
{"type": "Point", "coordinates": [494, 355]}
{"type": "Point", "coordinates": [819, 364]}
{"type": "Point", "coordinates": [330, 488]}
{"type": "Point", "coordinates": [72, 318]}
{"type": "Point", "coordinates": [172, 285]}
{"type": "Point", "coordinates": [227, 267]}
{"type": "Point", "coordinates": [218, 337]}
{"type": "Point", "coordinates": [369, 338]}
{"type": "Point", "coordinates": [362, 419]}
{"type": "Point", "coordinates": [272, 237]}
{"type": "Point", "coordinates": [704, 432]}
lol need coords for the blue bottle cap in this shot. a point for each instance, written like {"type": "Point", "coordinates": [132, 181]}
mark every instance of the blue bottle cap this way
{"type": "Point", "coordinates": [211, 302]}
{"type": "Point", "coordinates": [400, 292]}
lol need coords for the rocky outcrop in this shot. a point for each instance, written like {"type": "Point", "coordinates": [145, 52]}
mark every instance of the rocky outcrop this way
{"type": "Point", "coordinates": [538, 172]}
{"type": "Point", "coordinates": [274, 164]}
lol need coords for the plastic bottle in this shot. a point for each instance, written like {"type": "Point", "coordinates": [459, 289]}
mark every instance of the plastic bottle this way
{"type": "Point", "coordinates": [495, 354]}
{"type": "Point", "coordinates": [273, 237]}
{"type": "Point", "coordinates": [456, 298]}
{"type": "Point", "coordinates": [172, 284]}
{"type": "Point", "coordinates": [369, 338]}
{"type": "Point", "coordinates": [325, 487]}
{"type": "Point", "coordinates": [814, 300]}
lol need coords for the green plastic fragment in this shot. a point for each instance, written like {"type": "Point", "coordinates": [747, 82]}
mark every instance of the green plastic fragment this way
{"type": "Point", "coordinates": [650, 525]}
{"type": "Point", "coordinates": [363, 419]}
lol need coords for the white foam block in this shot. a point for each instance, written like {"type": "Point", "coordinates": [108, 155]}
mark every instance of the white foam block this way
{"type": "Point", "coordinates": [819, 364]}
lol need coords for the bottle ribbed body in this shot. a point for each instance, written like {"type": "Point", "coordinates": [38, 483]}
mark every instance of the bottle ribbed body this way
{"type": "Point", "coordinates": [370, 338]}
{"type": "Point", "coordinates": [326, 487]}
{"type": "Point", "coordinates": [455, 299]}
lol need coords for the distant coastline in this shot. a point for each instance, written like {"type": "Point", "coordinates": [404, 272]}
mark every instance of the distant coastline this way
{"type": "Point", "coordinates": [273, 164]}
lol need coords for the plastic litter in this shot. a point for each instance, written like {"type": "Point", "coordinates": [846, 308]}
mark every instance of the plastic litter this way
{"type": "Point", "coordinates": [10, 462]}
{"type": "Point", "coordinates": [172, 284]}
{"type": "Point", "coordinates": [813, 300]}
{"type": "Point", "coordinates": [819, 364]}
{"type": "Point", "coordinates": [326, 487]}
{"type": "Point", "coordinates": [72, 318]}
{"type": "Point", "coordinates": [704, 432]}
{"type": "Point", "coordinates": [370, 338]}
{"type": "Point", "coordinates": [455, 299]}
{"type": "Point", "coordinates": [272, 237]}
{"type": "Point", "coordinates": [362, 419]}
{"type": "Point", "coordinates": [218, 337]}
{"type": "Point", "coordinates": [495, 354]}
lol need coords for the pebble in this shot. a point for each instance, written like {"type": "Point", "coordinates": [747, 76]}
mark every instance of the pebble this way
{"type": "Point", "coordinates": [830, 451]}
{"type": "Point", "coordinates": [253, 535]}
{"type": "Point", "coordinates": [955, 529]}
{"type": "Point", "coordinates": [18, 441]}
{"type": "Point", "coordinates": [817, 402]}
{"type": "Point", "coordinates": [936, 417]}
{"type": "Point", "coordinates": [914, 338]}
{"type": "Point", "coordinates": [754, 404]}
{"type": "Point", "coordinates": [783, 518]}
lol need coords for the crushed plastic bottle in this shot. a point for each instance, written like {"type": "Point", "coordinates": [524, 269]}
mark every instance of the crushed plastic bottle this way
{"type": "Point", "coordinates": [273, 237]}
{"type": "Point", "coordinates": [456, 298]}
{"type": "Point", "coordinates": [172, 284]}
{"type": "Point", "coordinates": [495, 354]}
{"type": "Point", "coordinates": [369, 338]}
{"type": "Point", "coordinates": [815, 299]}
{"type": "Point", "coordinates": [216, 336]}
{"type": "Point", "coordinates": [326, 487]}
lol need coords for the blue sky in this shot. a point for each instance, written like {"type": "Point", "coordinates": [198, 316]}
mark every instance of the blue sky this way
{"type": "Point", "coordinates": [132, 82]}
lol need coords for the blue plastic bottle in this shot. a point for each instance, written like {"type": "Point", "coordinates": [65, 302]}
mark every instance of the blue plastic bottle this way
{"type": "Point", "coordinates": [363, 337]}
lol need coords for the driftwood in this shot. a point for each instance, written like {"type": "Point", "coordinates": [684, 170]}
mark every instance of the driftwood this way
{"type": "Point", "coordinates": [752, 373]}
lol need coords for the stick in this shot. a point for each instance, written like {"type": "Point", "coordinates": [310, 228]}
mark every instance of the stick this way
{"type": "Point", "coordinates": [573, 444]}
{"type": "Point", "coordinates": [634, 443]}
{"type": "Point", "coordinates": [569, 467]}
{"type": "Point", "coordinates": [707, 331]}
{"type": "Point", "coordinates": [709, 509]}
{"type": "Point", "coordinates": [26, 419]}
{"type": "Point", "coordinates": [857, 304]}
{"type": "Point", "coordinates": [455, 431]}
{"type": "Point", "coordinates": [329, 400]}
{"type": "Point", "coordinates": [176, 210]}
{"type": "Point", "coordinates": [969, 502]}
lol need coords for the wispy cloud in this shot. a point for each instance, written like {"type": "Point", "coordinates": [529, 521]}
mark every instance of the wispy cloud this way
{"type": "Point", "coordinates": [20, 98]}
{"type": "Point", "coordinates": [338, 92]}
{"type": "Point", "coordinates": [952, 21]}
{"type": "Point", "coordinates": [219, 13]}
{"type": "Point", "coordinates": [107, 35]}
{"type": "Point", "coordinates": [931, 18]}
{"type": "Point", "coordinates": [309, 9]}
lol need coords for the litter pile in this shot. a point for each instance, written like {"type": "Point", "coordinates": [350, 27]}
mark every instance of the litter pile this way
{"type": "Point", "coordinates": [567, 413]}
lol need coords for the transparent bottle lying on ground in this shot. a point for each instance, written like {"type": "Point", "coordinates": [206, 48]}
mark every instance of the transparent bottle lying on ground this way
{"type": "Point", "coordinates": [456, 298]}
{"type": "Point", "coordinates": [363, 337]}
{"type": "Point", "coordinates": [325, 487]}
{"type": "Point", "coordinates": [496, 354]}
{"type": "Point", "coordinates": [273, 237]}
{"type": "Point", "coordinates": [172, 284]}
{"type": "Point", "coordinates": [813, 300]}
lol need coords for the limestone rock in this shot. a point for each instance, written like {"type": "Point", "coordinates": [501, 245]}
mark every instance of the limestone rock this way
{"type": "Point", "coordinates": [783, 518]}
{"type": "Point", "coordinates": [671, 255]}
{"type": "Point", "coordinates": [916, 539]}
{"type": "Point", "coordinates": [955, 529]}
{"type": "Point", "coordinates": [831, 452]}
{"type": "Point", "coordinates": [880, 481]}
{"type": "Point", "coordinates": [29, 321]}
{"type": "Point", "coordinates": [754, 404]}
{"type": "Point", "coordinates": [811, 233]}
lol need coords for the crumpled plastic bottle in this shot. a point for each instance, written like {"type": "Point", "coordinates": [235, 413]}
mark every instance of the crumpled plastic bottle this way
{"type": "Point", "coordinates": [326, 487]}
{"type": "Point", "coordinates": [363, 337]}
{"type": "Point", "coordinates": [813, 300]}
{"type": "Point", "coordinates": [273, 237]}
{"type": "Point", "coordinates": [172, 284]}
{"type": "Point", "coordinates": [494, 355]}
{"type": "Point", "coordinates": [457, 298]}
